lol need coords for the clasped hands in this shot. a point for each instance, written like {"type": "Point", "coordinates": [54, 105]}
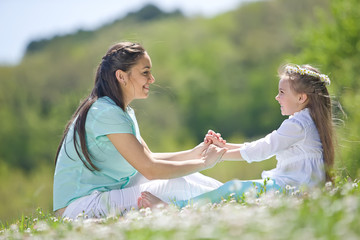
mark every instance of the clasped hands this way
{"type": "Point", "coordinates": [213, 148]}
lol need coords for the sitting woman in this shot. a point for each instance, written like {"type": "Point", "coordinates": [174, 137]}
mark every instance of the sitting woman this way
{"type": "Point", "coordinates": [103, 164]}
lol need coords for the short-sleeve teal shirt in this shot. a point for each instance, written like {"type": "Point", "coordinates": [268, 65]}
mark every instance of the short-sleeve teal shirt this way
{"type": "Point", "coordinates": [72, 179]}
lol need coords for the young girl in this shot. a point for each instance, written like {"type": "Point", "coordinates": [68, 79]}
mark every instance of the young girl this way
{"type": "Point", "coordinates": [103, 164]}
{"type": "Point", "coordinates": [303, 144]}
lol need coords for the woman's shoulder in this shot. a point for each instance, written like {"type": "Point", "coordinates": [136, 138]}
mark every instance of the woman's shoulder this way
{"type": "Point", "coordinates": [105, 107]}
{"type": "Point", "coordinates": [105, 104]}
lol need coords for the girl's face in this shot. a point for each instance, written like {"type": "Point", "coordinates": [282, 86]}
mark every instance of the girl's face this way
{"type": "Point", "coordinates": [290, 101]}
{"type": "Point", "coordinates": [138, 79]}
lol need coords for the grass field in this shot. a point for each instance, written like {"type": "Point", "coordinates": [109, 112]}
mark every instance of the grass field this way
{"type": "Point", "coordinates": [332, 212]}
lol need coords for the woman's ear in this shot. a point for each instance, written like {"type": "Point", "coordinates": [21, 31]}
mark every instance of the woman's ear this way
{"type": "Point", "coordinates": [303, 97]}
{"type": "Point", "coordinates": [120, 76]}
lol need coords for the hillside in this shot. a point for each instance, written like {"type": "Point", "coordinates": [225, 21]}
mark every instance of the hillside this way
{"type": "Point", "coordinates": [215, 73]}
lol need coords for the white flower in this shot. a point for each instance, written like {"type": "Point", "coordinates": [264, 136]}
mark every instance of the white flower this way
{"type": "Point", "coordinates": [235, 186]}
{"type": "Point", "coordinates": [328, 184]}
{"type": "Point", "coordinates": [302, 71]}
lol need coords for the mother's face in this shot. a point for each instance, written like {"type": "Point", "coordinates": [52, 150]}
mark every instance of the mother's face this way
{"type": "Point", "coordinates": [136, 81]}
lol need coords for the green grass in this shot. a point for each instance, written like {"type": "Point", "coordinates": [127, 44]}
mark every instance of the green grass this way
{"type": "Point", "coordinates": [332, 212]}
{"type": "Point", "coordinates": [21, 193]}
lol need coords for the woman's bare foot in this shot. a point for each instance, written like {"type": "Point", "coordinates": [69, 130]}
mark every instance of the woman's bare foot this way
{"type": "Point", "coordinates": [148, 200]}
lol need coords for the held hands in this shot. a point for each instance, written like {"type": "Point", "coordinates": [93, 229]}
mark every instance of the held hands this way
{"type": "Point", "coordinates": [216, 149]}
{"type": "Point", "coordinates": [210, 138]}
{"type": "Point", "coordinates": [213, 155]}
{"type": "Point", "coordinates": [211, 150]}
{"type": "Point", "coordinates": [214, 138]}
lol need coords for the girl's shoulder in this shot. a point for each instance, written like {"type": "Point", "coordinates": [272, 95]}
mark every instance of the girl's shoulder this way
{"type": "Point", "coordinates": [298, 124]}
{"type": "Point", "coordinates": [303, 118]}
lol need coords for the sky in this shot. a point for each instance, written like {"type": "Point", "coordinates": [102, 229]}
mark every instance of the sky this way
{"type": "Point", "coordinates": [22, 21]}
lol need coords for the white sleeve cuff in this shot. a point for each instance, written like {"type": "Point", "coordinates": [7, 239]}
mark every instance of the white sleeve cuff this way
{"type": "Point", "coordinates": [244, 155]}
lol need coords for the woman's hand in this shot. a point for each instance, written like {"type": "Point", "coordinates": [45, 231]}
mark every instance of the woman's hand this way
{"type": "Point", "coordinates": [199, 150]}
{"type": "Point", "coordinates": [214, 138]}
{"type": "Point", "coordinates": [210, 138]}
{"type": "Point", "coordinates": [213, 155]}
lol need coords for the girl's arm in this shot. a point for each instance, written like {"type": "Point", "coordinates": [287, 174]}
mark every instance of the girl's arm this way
{"type": "Point", "coordinates": [233, 153]}
{"type": "Point", "coordinates": [140, 157]}
{"type": "Point", "coordinates": [289, 133]}
{"type": "Point", "coordinates": [215, 138]}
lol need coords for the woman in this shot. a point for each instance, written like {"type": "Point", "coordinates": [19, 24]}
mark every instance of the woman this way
{"type": "Point", "coordinates": [101, 159]}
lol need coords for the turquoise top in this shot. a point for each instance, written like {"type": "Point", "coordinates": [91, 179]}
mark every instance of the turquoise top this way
{"type": "Point", "coordinates": [72, 179]}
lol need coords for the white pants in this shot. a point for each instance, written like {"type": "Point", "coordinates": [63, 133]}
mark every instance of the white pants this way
{"type": "Point", "coordinates": [102, 204]}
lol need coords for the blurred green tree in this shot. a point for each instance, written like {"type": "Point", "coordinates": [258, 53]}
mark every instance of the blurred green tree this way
{"type": "Point", "coordinates": [335, 43]}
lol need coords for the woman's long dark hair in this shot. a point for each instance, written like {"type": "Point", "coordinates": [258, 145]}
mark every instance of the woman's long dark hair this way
{"type": "Point", "coordinates": [320, 107]}
{"type": "Point", "coordinates": [120, 56]}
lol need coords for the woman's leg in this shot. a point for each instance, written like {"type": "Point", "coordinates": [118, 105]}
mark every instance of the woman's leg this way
{"type": "Point", "coordinates": [86, 205]}
{"type": "Point", "coordinates": [136, 180]}
{"type": "Point", "coordinates": [180, 188]}
{"type": "Point", "coordinates": [203, 180]}
{"type": "Point", "coordinates": [102, 204]}
{"type": "Point", "coordinates": [119, 201]}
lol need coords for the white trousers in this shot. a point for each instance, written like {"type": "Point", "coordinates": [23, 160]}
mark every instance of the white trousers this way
{"type": "Point", "coordinates": [119, 201]}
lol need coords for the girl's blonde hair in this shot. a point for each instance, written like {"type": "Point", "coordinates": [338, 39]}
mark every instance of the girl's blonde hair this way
{"type": "Point", "coordinates": [307, 79]}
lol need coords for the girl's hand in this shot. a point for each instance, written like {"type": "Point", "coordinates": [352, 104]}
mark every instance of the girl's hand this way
{"type": "Point", "coordinates": [214, 138]}
{"type": "Point", "coordinates": [213, 155]}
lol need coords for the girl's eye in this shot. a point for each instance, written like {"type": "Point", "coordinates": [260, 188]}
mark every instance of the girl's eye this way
{"type": "Point", "coordinates": [146, 73]}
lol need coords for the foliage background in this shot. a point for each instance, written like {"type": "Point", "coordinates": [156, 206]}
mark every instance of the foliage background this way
{"type": "Point", "coordinates": [218, 73]}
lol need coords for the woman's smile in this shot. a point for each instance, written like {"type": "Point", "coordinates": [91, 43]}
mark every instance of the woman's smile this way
{"type": "Point", "coordinates": [139, 79]}
{"type": "Point", "coordinates": [147, 87]}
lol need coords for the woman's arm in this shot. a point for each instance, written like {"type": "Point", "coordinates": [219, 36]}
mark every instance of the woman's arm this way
{"type": "Point", "coordinates": [140, 157]}
{"type": "Point", "coordinates": [193, 153]}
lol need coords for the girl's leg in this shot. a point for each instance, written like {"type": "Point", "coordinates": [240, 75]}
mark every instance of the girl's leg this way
{"type": "Point", "coordinates": [236, 187]}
